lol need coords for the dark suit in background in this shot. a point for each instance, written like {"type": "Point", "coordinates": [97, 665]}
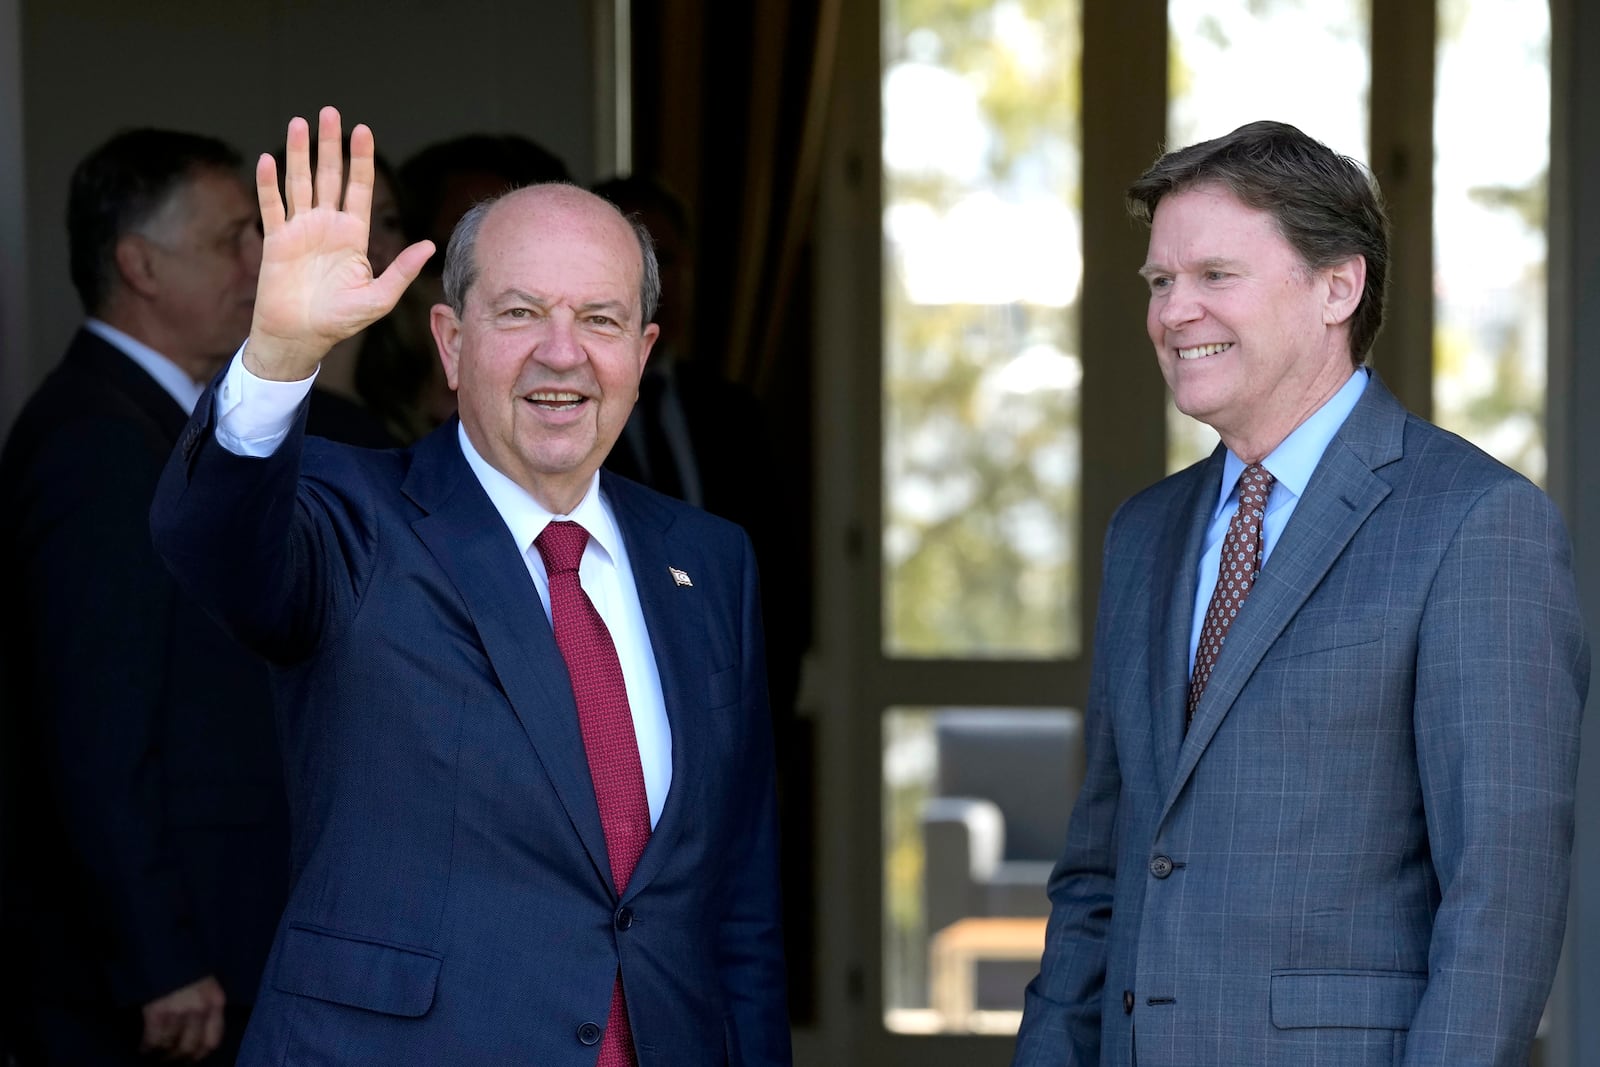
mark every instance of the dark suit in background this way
{"type": "Point", "coordinates": [146, 831]}
{"type": "Point", "coordinates": [146, 854]}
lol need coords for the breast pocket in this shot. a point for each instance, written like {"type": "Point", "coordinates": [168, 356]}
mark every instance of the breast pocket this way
{"type": "Point", "coordinates": [1329, 631]}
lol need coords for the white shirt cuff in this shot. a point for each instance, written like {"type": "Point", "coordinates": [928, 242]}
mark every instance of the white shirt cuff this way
{"type": "Point", "coordinates": [254, 415]}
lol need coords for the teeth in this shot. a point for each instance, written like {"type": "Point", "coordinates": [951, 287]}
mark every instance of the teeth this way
{"type": "Point", "coordinates": [555, 398]}
{"type": "Point", "coordinates": [1203, 350]}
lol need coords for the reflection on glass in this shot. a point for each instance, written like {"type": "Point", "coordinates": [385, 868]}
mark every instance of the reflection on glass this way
{"type": "Point", "coordinates": [981, 371]}
{"type": "Point", "coordinates": [1304, 62]}
{"type": "Point", "coordinates": [975, 808]}
{"type": "Point", "coordinates": [1491, 159]}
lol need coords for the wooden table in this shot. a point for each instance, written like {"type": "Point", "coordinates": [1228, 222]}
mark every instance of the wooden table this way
{"type": "Point", "coordinates": [955, 951]}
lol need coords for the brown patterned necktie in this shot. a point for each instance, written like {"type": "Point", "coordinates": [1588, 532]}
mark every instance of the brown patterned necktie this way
{"type": "Point", "coordinates": [609, 742]}
{"type": "Point", "coordinates": [1236, 575]}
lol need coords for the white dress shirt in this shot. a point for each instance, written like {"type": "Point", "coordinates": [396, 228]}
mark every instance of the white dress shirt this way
{"type": "Point", "coordinates": [254, 416]}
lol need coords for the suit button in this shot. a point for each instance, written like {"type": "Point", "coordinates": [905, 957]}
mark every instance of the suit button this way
{"type": "Point", "coordinates": [1127, 1002]}
{"type": "Point", "coordinates": [589, 1034]}
{"type": "Point", "coordinates": [1161, 866]}
{"type": "Point", "coordinates": [623, 918]}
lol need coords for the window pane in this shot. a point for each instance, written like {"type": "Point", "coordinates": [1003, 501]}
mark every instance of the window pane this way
{"type": "Point", "coordinates": [1489, 349]}
{"type": "Point", "coordinates": [981, 370]}
{"type": "Point", "coordinates": [975, 808]}
{"type": "Point", "coordinates": [1304, 62]}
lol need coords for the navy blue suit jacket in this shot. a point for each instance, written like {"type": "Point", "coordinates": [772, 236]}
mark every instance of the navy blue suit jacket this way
{"type": "Point", "coordinates": [450, 899]}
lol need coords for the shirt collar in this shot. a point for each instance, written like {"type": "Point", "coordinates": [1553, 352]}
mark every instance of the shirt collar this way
{"type": "Point", "coordinates": [527, 518]}
{"type": "Point", "coordinates": [1295, 459]}
{"type": "Point", "coordinates": [171, 377]}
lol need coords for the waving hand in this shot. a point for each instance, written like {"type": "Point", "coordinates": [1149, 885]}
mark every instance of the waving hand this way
{"type": "Point", "coordinates": [316, 285]}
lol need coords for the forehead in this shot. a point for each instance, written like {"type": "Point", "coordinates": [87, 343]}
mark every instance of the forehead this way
{"type": "Point", "coordinates": [1208, 221]}
{"type": "Point", "coordinates": [558, 242]}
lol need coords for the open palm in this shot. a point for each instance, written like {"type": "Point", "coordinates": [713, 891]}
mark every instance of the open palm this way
{"type": "Point", "coordinates": [316, 285]}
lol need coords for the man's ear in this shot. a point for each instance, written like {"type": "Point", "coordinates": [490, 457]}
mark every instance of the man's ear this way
{"type": "Point", "coordinates": [447, 336]}
{"type": "Point", "coordinates": [1346, 282]}
{"type": "Point", "coordinates": [135, 258]}
{"type": "Point", "coordinates": [648, 339]}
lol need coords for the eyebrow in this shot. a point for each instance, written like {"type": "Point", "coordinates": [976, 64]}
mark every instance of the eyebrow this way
{"type": "Point", "coordinates": [616, 306]}
{"type": "Point", "coordinates": [514, 295]}
{"type": "Point", "coordinates": [517, 295]}
{"type": "Point", "coordinates": [1209, 263]}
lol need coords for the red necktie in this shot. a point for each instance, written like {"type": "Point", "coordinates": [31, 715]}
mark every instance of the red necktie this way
{"type": "Point", "coordinates": [1236, 575]}
{"type": "Point", "coordinates": [608, 738]}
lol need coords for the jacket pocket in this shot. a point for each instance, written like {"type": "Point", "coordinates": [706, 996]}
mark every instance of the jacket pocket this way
{"type": "Point", "coordinates": [356, 973]}
{"type": "Point", "coordinates": [1368, 1000]}
{"type": "Point", "coordinates": [1325, 630]}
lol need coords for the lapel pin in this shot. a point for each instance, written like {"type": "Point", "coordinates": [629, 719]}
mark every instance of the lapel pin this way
{"type": "Point", "coordinates": [680, 577]}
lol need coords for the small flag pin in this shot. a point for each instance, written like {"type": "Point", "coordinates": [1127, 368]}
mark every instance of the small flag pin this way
{"type": "Point", "coordinates": [680, 577]}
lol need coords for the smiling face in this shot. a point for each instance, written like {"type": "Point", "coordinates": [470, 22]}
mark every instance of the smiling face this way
{"type": "Point", "coordinates": [1250, 340]}
{"type": "Point", "coordinates": [546, 355]}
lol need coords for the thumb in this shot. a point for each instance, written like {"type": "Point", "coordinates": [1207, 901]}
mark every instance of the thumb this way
{"type": "Point", "coordinates": [402, 272]}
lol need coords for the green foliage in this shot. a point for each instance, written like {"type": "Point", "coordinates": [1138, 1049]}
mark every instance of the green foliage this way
{"type": "Point", "coordinates": [981, 484]}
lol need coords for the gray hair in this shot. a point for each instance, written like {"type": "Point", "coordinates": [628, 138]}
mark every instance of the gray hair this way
{"type": "Point", "coordinates": [461, 259]}
{"type": "Point", "coordinates": [122, 186]}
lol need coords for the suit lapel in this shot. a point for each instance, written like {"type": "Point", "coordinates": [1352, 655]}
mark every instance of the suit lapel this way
{"type": "Point", "coordinates": [1344, 490]}
{"type": "Point", "coordinates": [1172, 615]}
{"type": "Point", "coordinates": [97, 357]}
{"type": "Point", "coordinates": [672, 615]}
{"type": "Point", "coordinates": [469, 540]}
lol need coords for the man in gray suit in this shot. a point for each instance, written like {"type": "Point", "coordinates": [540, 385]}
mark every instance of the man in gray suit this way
{"type": "Point", "coordinates": [1338, 671]}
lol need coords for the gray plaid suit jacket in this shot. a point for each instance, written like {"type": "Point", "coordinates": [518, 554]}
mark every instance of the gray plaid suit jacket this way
{"type": "Point", "coordinates": [1359, 852]}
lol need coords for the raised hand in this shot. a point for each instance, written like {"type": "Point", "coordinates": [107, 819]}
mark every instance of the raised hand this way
{"type": "Point", "coordinates": [316, 285]}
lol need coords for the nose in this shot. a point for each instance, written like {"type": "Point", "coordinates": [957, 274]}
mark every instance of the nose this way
{"type": "Point", "coordinates": [1179, 305]}
{"type": "Point", "coordinates": [559, 348]}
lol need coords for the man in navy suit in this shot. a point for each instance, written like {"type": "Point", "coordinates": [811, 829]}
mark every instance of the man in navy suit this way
{"type": "Point", "coordinates": [457, 894]}
{"type": "Point", "coordinates": [146, 839]}
{"type": "Point", "coordinates": [1338, 670]}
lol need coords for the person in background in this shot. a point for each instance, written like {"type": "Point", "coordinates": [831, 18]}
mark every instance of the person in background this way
{"type": "Point", "coordinates": [1333, 715]}
{"type": "Point", "coordinates": [146, 850]}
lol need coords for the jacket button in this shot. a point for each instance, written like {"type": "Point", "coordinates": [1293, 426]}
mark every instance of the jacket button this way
{"type": "Point", "coordinates": [623, 918]}
{"type": "Point", "coordinates": [589, 1034]}
{"type": "Point", "coordinates": [1127, 1002]}
{"type": "Point", "coordinates": [1161, 866]}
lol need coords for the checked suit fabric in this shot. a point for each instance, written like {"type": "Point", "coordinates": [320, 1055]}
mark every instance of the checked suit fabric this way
{"type": "Point", "coordinates": [610, 745]}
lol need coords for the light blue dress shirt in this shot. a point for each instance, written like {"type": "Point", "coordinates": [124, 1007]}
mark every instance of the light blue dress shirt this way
{"type": "Point", "coordinates": [1291, 465]}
